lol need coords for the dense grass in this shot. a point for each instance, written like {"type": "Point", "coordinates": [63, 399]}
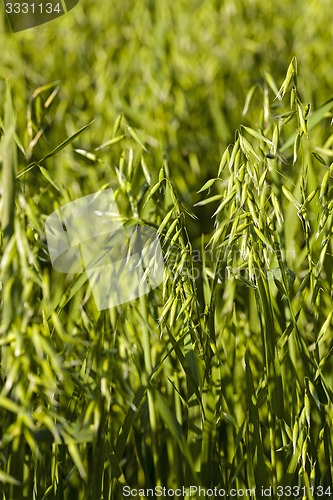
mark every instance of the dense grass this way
{"type": "Point", "coordinates": [222, 376]}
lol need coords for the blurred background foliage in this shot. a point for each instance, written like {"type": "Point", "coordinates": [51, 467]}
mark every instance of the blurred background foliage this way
{"type": "Point", "coordinates": [180, 72]}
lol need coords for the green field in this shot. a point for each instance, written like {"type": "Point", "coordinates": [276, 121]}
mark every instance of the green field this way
{"type": "Point", "coordinates": [212, 123]}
